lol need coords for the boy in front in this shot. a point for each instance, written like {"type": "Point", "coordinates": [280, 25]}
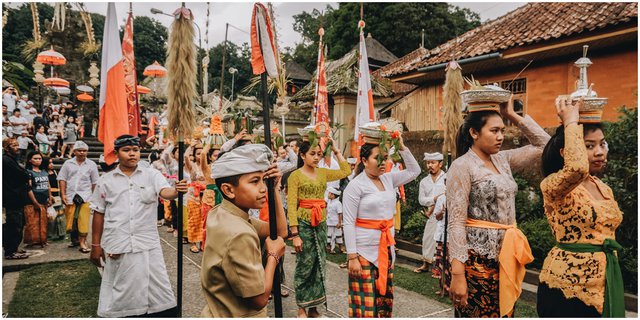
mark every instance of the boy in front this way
{"type": "Point", "coordinates": [125, 236]}
{"type": "Point", "coordinates": [233, 278]}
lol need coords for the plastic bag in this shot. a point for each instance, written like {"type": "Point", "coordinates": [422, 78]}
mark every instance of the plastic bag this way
{"type": "Point", "coordinates": [51, 213]}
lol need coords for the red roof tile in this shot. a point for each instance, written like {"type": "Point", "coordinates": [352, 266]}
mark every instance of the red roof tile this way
{"type": "Point", "coordinates": [532, 23]}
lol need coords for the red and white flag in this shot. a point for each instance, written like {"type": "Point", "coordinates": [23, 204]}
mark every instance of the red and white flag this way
{"type": "Point", "coordinates": [131, 81]}
{"type": "Point", "coordinates": [263, 47]}
{"type": "Point", "coordinates": [113, 96]}
{"type": "Point", "coordinates": [364, 105]}
{"type": "Point", "coordinates": [322, 102]}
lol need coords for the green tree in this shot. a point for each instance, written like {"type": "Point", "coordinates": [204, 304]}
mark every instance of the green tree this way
{"type": "Point", "coordinates": [307, 25]}
{"type": "Point", "coordinates": [238, 57]}
{"type": "Point", "coordinates": [19, 29]}
{"type": "Point", "coordinates": [398, 26]}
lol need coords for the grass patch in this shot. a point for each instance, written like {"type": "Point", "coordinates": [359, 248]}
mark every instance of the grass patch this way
{"type": "Point", "coordinates": [424, 284]}
{"type": "Point", "coordinates": [57, 290]}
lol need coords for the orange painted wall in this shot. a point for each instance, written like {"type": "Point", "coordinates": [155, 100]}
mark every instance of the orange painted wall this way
{"type": "Point", "coordinates": [614, 75]}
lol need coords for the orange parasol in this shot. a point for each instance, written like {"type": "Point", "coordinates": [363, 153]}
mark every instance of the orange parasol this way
{"type": "Point", "coordinates": [155, 70]}
{"type": "Point", "coordinates": [51, 57]}
{"type": "Point", "coordinates": [84, 97]}
{"type": "Point", "coordinates": [56, 82]}
{"type": "Point", "coordinates": [143, 90]}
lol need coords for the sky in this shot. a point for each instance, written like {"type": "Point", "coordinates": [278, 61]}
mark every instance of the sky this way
{"type": "Point", "coordinates": [238, 15]}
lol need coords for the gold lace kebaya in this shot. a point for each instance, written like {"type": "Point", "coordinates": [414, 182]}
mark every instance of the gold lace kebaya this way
{"type": "Point", "coordinates": [576, 217]}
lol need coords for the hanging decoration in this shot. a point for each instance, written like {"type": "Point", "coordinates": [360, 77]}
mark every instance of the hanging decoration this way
{"type": "Point", "coordinates": [59, 16]}
{"type": "Point", "coordinates": [94, 74]}
{"type": "Point", "coordinates": [205, 60]}
{"type": "Point", "coordinates": [5, 17]}
{"type": "Point", "coordinates": [38, 71]}
{"type": "Point", "coordinates": [36, 44]}
{"type": "Point", "coordinates": [89, 46]}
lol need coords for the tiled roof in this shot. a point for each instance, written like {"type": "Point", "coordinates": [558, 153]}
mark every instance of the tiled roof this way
{"type": "Point", "coordinates": [532, 23]}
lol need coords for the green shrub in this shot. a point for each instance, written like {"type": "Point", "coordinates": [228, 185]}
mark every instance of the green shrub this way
{"type": "Point", "coordinates": [529, 204]}
{"type": "Point", "coordinates": [412, 220]}
{"type": "Point", "coordinates": [541, 240]}
{"type": "Point", "coordinates": [622, 177]}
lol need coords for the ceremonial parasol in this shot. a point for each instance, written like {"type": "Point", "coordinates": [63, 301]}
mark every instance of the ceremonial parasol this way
{"type": "Point", "coordinates": [84, 97]}
{"type": "Point", "coordinates": [56, 82]}
{"type": "Point", "coordinates": [63, 91]}
{"type": "Point", "coordinates": [155, 70]}
{"type": "Point", "coordinates": [83, 88]}
{"type": "Point", "coordinates": [52, 58]}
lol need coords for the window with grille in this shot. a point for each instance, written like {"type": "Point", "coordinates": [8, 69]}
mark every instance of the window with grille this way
{"type": "Point", "coordinates": [519, 89]}
{"type": "Point", "coordinates": [517, 86]}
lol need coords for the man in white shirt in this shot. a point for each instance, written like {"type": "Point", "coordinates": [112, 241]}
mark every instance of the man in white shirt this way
{"type": "Point", "coordinates": [124, 235]}
{"type": "Point", "coordinates": [18, 122]}
{"type": "Point", "coordinates": [22, 103]}
{"type": "Point", "coordinates": [9, 98]}
{"type": "Point", "coordinates": [431, 188]}
{"type": "Point", "coordinates": [29, 112]}
{"type": "Point", "coordinates": [77, 179]}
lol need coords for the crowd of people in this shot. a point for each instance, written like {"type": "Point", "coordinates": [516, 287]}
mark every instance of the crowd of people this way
{"type": "Point", "coordinates": [52, 130]}
{"type": "Point", "coordinates": [324, 205]}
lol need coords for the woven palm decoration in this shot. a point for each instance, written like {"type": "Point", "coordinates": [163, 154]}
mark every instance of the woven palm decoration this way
{"type": "Point", "coordinates": [181, 67]}
{"type": "Point", "coordinates": [453, 86]}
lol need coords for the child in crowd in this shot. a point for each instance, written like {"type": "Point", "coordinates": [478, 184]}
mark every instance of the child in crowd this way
{"type": "Point", "coordinates": [23, 144]}
{"type": "Point", "coordinates": [233, 278]}
{"type": "Point", "coordinates": [70, 136]}
{"type": "Point", "coordinates": [334, 220]}
{"type": "Point", "coordinates": [44, 143]}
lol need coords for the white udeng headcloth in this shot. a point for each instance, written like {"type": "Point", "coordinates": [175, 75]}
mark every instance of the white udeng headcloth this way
{"type": "Point", "coordinates": [436, 156]}
{"type": "Point", "coordinates": [245, 159]}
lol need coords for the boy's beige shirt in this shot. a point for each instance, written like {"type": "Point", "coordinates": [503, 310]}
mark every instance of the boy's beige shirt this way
{"type": "Point", "coordinates": [232, 263]}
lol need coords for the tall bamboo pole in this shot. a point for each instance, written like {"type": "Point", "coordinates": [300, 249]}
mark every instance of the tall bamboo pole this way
{"type": "Point", "coordinates": [273, 230]}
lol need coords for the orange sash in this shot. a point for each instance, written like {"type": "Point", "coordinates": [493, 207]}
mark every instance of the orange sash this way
{"type": "Point", "coordinates": [386, 240]}
{"type": "Point", "coordinates": [514, 255]}
{"type": "Point", "coordinates": [316, 206]}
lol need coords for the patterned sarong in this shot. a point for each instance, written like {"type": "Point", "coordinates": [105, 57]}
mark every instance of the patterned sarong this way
{"type": "Point", "coordinates": [310, 265]}
{"type": "Point", "coordinates": [483, 286]}
{"type": "Point", "coordinates": [364, 300]}
{"type": "Point", "coordinates": [35, 229]}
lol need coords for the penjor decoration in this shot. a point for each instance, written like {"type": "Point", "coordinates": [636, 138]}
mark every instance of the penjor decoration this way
{"type": "Point", "coordinates": [264, 60]}
{"type": "Point", "coordinates": [181, 93]}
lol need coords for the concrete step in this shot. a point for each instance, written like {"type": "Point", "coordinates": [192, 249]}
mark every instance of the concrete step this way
{"type": "Point", "coordinates": [411, 254]}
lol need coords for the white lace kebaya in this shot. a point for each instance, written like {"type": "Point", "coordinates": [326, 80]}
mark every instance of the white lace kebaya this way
{"type": "Point", "coordinates": [475, 191]}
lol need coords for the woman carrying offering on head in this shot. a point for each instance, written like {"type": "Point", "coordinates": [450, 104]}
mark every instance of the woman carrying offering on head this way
{"type": "Point", "coordinates": [581, 275]}
{"type": "Point", "coordinates": [487, 252]}
{"type": "Point", "coordinates": [369, 206]}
